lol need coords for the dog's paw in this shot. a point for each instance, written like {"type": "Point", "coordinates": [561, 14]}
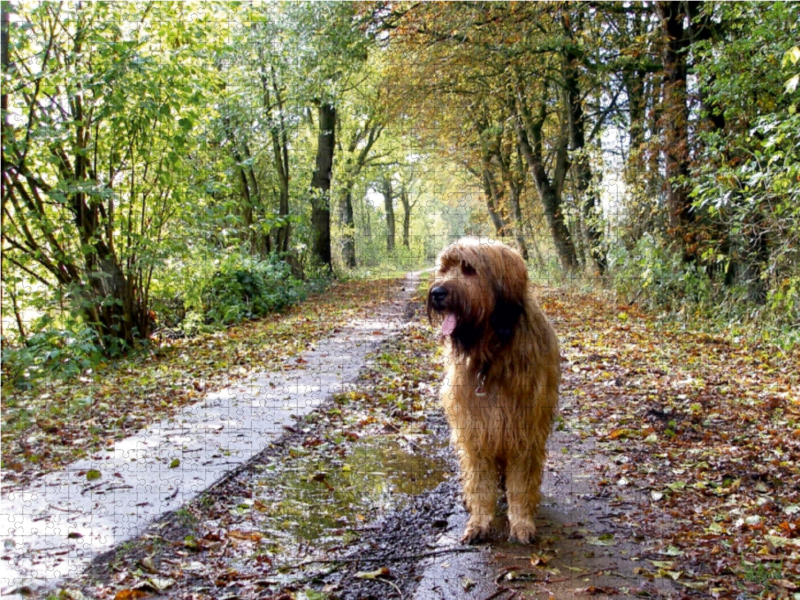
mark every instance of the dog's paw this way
{"type": "Point", "coordinates": [475, 532]}
{"type": "Point", "coordinates": [522, 532]}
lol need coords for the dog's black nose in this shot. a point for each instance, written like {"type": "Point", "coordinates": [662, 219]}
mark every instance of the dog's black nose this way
{"type": "Point", "coordinates": [438, 294]}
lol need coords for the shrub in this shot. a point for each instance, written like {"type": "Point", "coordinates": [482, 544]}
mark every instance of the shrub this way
{"type": "Point", "coordinates": [52, 352]}
{"type": "Point", "coordinates": [245, 288]}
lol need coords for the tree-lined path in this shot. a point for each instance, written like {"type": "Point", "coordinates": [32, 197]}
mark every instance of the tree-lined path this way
{"type": "Point", "coordinates": [195, 194]}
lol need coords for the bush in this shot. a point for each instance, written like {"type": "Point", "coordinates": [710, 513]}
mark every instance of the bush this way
{"type": "Point", "coordinates": [657, 277]}
{"type": "Point", "coordinates": [52, 352]}
{"type": "Point", "coordinates": [245, 288]}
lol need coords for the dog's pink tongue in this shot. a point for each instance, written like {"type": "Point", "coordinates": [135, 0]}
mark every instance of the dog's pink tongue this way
{"type": "Point", "coordinates": [449, 324]}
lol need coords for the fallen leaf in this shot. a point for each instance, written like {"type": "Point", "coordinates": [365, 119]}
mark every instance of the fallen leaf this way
{"type": "Point", "coordinates": [148, 564]}
{"type": "Point", "coordinates": [786, 584]}
{"type": "Point", "coordinates": [130, 594]}
{"type": "Point", "coordinates": [606, 539]}
{"type": "Point", "coordinates": [252, 536]}
{"type": "Point", "coordinates": [382, 572]}
{"type": "Point", "coordinates": [594, 590]}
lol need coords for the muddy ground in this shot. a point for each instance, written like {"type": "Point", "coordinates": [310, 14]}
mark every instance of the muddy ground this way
{"type": "Point", "coordinates": [360, 499]}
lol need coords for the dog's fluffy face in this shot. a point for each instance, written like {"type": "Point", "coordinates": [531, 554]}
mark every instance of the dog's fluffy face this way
{"type": "Point", "coordinates": [478, 293]}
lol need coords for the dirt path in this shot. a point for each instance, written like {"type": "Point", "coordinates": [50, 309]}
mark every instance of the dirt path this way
{"type": "Point", "coordinates": [54, 528]}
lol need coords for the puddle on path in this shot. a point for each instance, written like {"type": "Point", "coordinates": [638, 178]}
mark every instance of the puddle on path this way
{"type": "Point", "coordinates": [311, 505]}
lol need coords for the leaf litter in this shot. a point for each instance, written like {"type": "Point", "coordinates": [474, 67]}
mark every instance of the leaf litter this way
{"type": "Point", "coordinates": [706, 427]}
{"type": "Point", "coordinates": [294, 512]}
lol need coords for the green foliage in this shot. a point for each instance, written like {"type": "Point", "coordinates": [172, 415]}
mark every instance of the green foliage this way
{"type": "Point", "coordinates": [61, 353]}
{"type": "Point", "coordinates": [737, 263]}
{"type": "Point", "coordinates": [747, 182]}
{"type": "Point", "coordinates": [101, 121]}
{"type": "Point", "coordinates": [245, 287]}
{"type": "Point", "coordinates": [141, 143]}
{"type": "Point", "coordinates": [655, 276]}
{"type": "Point", "coordinates": [658, 278]}
{"type": "Point", "coordinates": [741, 74]}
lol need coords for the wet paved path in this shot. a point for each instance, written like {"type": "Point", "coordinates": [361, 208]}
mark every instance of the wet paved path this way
{"type": "Point", "coordinates": [54, 528]}
{"type": "Point", "coordinates": [588, 539]}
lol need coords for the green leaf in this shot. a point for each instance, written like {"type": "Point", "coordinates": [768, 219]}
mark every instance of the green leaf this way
{"type": "Point", "coordinates": [605, 539]}
{"type": "Point", "coordinates": [791, 84]}
{"type": "Point", "coordinates": [792, 56]}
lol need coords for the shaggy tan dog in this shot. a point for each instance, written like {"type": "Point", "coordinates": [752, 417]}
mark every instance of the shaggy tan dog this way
{"type": "Point", "coordinates": [501, 386]}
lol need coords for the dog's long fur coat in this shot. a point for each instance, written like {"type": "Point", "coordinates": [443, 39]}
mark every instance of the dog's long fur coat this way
{"type": "Point", "coordinates": [501, 384]}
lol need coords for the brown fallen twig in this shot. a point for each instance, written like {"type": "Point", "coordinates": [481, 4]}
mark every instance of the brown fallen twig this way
{"type": "Point", "coordinates": [391, 583]}
{"type": "Point", "coordinates": [498, 593]}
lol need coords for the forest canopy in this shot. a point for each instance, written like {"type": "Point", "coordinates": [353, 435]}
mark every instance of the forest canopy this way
{"type": "Point", "coordinates": [174, 167]}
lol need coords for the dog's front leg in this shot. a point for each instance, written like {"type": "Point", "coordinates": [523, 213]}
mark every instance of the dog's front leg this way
{"type": "Point", "coordinates": [479, 477]}
{"type": "Point", "coordinates": [523, 478]}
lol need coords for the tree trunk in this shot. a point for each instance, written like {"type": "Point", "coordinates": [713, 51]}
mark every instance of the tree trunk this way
{"type": "Point", "coordinates": [703, 28]}
{"type": "Point", "coordinates": [280, 149]}
{"type": "Point", "coordinates": [757, 262]}
{"type": "Point", "coordinates": [321, 186]}
{"type": "Point", "coordinates": [388, 203]}
{"type": "Point", "coordinates": [675, 120]}
{"type": "Point", "coordinates": [514, 181]}
{"type": "Point", "coordinates": [492, 197]}
{"type": "Point", "coordinates": [516, 210]}
{"type": "Point", "coordinates": [18, 316]}
{"type": "Point", "coordinates": [577, 124]}
{"type": "Point", "coordinates": [4, 59]}
{"type": "Point", "coordinates": [122, 319]}
{"type": "Point", "coordinates": [634, 89]}
{"type": "Point", "coordinates": [367, 220]}
{"type": "Point", "coordinates": [354, 163]}
{"type": "Point", "coordinates": [348, 233]}
{"type": "Point", "coordinates": [529, 134]}
{"type": "Point", "coordinates": [406, 201]}
{"type": "Point", "coordinates": [259, 242]}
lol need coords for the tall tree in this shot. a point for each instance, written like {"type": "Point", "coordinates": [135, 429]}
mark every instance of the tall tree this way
{"type": "Point", "coordinates": [331, 58]}
{"type": "Point", "coordinates": [406, 195]}
{"type": "Point", "coordinates": [576, 117]}
{"type": "Point", "coordinates": [357, 155]}
{"type": "Point", "coordinates": [550, 186]}
{"type": "Point", "coordinates": [675, 117]}
{"type": "Point", "coordinates": [95, 168]}
{"type": "Point", "coordinates": [320, 192]}
{"type": "Point", "coordinates": [274, 103]}
{"type": "Point", "coordinates": [387, 191]}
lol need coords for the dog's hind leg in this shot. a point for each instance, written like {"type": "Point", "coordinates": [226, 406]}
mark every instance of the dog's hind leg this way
{"type": "Point", "coordinates": [523, 478]}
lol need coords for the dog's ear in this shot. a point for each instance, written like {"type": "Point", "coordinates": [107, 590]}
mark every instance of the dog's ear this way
{"type": "Point", "coordinates": [505, 317]}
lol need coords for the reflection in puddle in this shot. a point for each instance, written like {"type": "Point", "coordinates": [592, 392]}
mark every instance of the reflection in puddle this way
{"type": "Point", "coordinates": [313, 503]}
